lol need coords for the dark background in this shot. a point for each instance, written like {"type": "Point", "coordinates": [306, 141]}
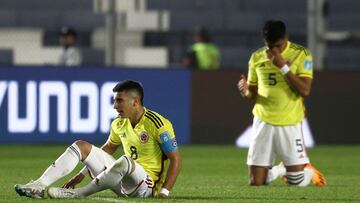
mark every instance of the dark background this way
{"type": "Point", "coordinates": [219, 114]}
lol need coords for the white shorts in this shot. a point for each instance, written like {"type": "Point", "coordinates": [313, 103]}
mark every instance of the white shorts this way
{"type": "Point", "coordinates": [268, 140]}
{"type": "Point", "coordinates": [137, 184]}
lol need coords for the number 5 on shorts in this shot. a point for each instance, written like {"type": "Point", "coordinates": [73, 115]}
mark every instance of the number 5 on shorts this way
{"type": "Point", "coordinates": [299, 145]}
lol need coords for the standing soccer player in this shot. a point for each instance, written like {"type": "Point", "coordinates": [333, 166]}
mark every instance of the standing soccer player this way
{"type": "Point", "coordinates": [149, 167]}
{"type": "Point", "coordinates": [280, 76]}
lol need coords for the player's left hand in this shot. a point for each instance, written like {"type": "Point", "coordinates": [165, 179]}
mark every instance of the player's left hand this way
{"type": "Point", "coordinates": [74, 181]}
{"type": "Point", "coordinates": [242, 84]}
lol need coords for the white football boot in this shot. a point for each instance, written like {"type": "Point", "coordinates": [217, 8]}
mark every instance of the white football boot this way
{"type": "Point", "coordinates": [62, 193]}
{"type": "Point", "coordinates": [31, 189]}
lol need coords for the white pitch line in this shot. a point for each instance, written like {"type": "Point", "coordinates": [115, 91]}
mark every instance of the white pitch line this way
{"type": "Point", "coordinates": [107, 199]}
{"type": "Point", "coordinates": [119, 200]}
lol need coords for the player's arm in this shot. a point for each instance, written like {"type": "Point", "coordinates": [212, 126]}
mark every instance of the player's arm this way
{"type": "Point", "coordinates": [109, 147]}
{"type": "Point", "coordinates": [301, 84]}
{"type": "Point", "coordinates": [246, 90]}
{"type": "Point", "coordinates": [173, 172]}
{"type": "Point", "coordinates": [168, 145]}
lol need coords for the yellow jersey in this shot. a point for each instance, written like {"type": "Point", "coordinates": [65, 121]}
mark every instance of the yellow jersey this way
{"type": "Point", "coordinates": [277, 103]}
{"type": "Point", "coordinates": [145, 143]}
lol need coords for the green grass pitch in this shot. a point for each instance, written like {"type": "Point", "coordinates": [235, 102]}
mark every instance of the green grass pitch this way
{"type": "Point", "coordinates": [209, 174]}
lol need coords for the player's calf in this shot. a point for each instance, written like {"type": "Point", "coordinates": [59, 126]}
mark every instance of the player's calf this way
{"type": "Point", "coordinates": [299, 178]}
{"type": "Point", "coordinates": [115, 173]}
{"type": "Point", "coordinates": [108, 179]}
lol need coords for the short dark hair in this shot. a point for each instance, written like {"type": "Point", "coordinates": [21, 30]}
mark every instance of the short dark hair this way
{"type": "Point", "coordinates": [274, 30]}
{"type": "Point", "coordinates": [130, 85]}
{"type": "Point", "coordinates": [68, 31]}
{"type": "Point", "coordinates": [204, 34]}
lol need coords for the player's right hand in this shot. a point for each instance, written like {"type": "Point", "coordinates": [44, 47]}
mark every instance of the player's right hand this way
{"type": "Point", "coordinates": [242, 84]}
{"type": "Point", "coordinates": [274, 55]}
{"type": "Point", "coordinates": [74, 181]}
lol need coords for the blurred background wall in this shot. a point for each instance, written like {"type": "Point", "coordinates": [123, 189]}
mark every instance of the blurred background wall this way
{"type": "Point", "coordinates": [220, 115]}
{"type": "Point", "coordinates": [64, 104]}
{"type": "Point", "coordinates": [119, 39]}
{"type": "Point", "coordinates": [157, 33]}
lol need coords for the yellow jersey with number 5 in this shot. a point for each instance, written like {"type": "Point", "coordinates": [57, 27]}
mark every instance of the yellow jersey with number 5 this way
{"type": "Point", "coordinates": [277, 103]}
{"type": "Point", "coordinates": [146, 143]}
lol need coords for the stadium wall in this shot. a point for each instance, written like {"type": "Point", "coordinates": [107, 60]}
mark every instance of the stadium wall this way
{"type": "Point", "coordinates": [219, 115]}
{"type": "Point", "coordinates": [52, 104]}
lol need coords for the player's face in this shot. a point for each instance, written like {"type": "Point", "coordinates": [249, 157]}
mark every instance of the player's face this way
{"type": "Point", "coordinates": [124, 104]}
{"type": "Point", "coordinates": [67, 40]}
{"type": "Point", "coordinates": [277, 46]}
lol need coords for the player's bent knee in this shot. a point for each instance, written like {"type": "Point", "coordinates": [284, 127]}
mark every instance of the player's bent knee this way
{"type": "Point", "coordinates": [257, 175]}
{"type": "Point", "coordinates": [84, 148]}
{"type": "Point", "coordinates": [122, 165]}
{"type": "Point", "coordinates": [256, 183]}
{"type": "Point", "coordinates": [82, 144]}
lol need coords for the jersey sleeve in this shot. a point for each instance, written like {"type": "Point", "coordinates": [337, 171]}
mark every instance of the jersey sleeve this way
{"type": "Point", "coordinates": [166, 138]}
{"type": "Point", "coordinates": [113, 137]}
{"type": "Point", "coordinates": [305, 66]}
{"type": "Point", "coordinates": [252, 77]}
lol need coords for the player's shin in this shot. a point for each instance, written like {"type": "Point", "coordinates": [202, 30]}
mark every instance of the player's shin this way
{"type": "Point", "coordinates": [108, 179]}
{"type": "Point", "coordinates": [62, 166]}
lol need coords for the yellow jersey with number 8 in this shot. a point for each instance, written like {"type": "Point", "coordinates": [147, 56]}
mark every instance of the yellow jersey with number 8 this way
{"type": "Point", "coordinates": [146, 143]}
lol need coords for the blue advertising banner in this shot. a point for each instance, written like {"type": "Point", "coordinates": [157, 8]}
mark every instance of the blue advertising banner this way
{"type": "Point", "coordinates": [60, 105]}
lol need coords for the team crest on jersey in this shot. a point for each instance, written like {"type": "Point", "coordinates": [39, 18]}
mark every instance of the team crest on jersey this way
{"type": "Point", "coordinates": [144, 137]}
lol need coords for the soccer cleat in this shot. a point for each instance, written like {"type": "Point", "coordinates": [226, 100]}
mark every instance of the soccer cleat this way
{"type": "Point", "coordinates": [318, 178]}
{"type": "Point", "coordinates": [283, 178]}
{"type": "Point", "coordinates": [31, 189]}
{"type": "Point", "coordinates": [62, 193]}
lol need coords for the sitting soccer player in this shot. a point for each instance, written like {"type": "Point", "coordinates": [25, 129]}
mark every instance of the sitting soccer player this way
{"type": "Point", "coordinates": [279, 78]}
{"type": "Point", "coordinates": [149, 167]}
